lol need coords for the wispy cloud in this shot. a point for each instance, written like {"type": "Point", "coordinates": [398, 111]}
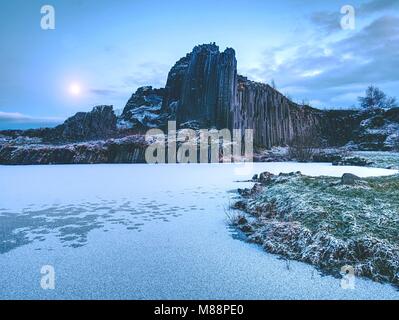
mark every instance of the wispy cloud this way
{"type": "Point", "coordinates": [16, 117]}
{"type": "Point", "coordinates": [145, 74]}
{"type": "Point", "coordinates": [103, 92]}
{"type": "Point", "coordinates": [368, 56]}
{"type": "Point", "coordinates": [329, 21]}
{"type": "Point", "coordinates": [338, 67]}
{"type": "Point", "coordinates": [148, 73]}
{"type": "Point", "coordinates": [378, 5]}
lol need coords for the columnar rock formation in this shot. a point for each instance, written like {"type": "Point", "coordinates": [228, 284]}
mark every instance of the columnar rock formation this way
{"type": "Point", "coordinates": [203, 90]}
{"type": "Point", "coordinates": [275, 119]}
{"type": "Point", "coordinates": [202, 87]}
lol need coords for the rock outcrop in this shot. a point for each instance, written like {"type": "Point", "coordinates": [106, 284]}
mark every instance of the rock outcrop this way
{"type": "Point", "coordinates": [378, 131]}
{"type": "Point", "coordinates": [203, 90]}
{"type": "Point", "coordinates": [143, 110]}
{"type": "Point", "coordinates": [361, 129]}
{"type": "Point", "coordinates": [100, 123]}
{"type": "Point", "coordinates": [275, 119]}
{"type": "Point", "coordinates": [338, 126]}
{"type": "Point", "coordinates": [202, 87]}
{"type": "Point", "coordinates": [130, 149]}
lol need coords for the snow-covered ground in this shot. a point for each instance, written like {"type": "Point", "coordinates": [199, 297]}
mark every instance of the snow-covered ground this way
{"type": "Point", "coordinates": [380, 159]}
{"type": "Point", "coordinates": [148, 232]}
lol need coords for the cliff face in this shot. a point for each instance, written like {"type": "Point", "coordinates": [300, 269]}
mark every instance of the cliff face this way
{"type": "Point", "coordinates": [338, 127]}
{"type": "Point", "coordinates": [143, 110]}
{"type": "Point", "coordinates": [203, 90]}
{"type": "Point", "coordinates": [275, 119]}
{"type": "Point", "coordinates": [129, 149]}
{"type": "Point", "coordinates": [100, 123]}
{"type": "Point", "coordinates": [202, 86]}
{"type": "Point", "coordinates": [369, 130]}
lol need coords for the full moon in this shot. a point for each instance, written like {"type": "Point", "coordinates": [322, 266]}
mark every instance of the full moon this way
{"type": "Point", "coordinates": [74, 89]}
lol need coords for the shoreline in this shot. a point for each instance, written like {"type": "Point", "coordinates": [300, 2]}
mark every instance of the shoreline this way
{"type": "Point", "coordinates": [161, 254]}
{"type": "Point", "coordinates": [287, 221]}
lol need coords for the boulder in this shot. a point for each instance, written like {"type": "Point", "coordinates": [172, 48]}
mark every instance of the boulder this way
{"type": "Point", "coordinates": [349, 179]}
{"type": "Point", "coordinates": [265, 177]}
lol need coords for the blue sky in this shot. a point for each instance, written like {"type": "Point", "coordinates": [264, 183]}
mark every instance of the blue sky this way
{"type": "Point", "coordinates": [109, 48]}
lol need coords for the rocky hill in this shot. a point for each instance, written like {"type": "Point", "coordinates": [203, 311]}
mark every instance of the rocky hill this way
{"type": "Point", "coordinates": [203, 90]}
{"type": "Point", "coordinates": [100, 123]}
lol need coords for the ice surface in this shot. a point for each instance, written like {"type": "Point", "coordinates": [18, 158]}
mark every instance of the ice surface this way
{"type": "Point", "coordinates": [148, 232]}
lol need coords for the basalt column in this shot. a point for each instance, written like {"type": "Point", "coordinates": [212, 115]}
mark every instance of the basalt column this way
{"type": "Point", "coordinates": [202, 87]}
{"type": "Point", "coordinates": [275, 120]}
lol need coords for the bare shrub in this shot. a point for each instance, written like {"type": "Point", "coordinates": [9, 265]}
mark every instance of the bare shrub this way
{"type": "Point", "coordinates": [303, 146]}
{"type": "Point", "coordinates": [234, 217]}
{"type": "Point", "coordinates": [345, 153]}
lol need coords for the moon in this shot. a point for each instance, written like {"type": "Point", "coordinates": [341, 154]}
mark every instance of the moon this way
{"type": "Point", "coordinates": [75, 89]}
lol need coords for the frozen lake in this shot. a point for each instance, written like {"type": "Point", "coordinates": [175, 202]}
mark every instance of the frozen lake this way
{"type": "Point", "coordinates": [148, 232]}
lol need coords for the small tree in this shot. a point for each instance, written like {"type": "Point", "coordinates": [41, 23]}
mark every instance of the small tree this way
{"type": "Point", "coordinates": [376, 99]}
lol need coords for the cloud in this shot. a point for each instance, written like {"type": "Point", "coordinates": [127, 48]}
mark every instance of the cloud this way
{"type": "Point", "coordinates": [16, 117]}
{"type": "Point", "coordinates": [368, 56]}
{"type": "Point", "coordinates": [324, 69]}
{"type": "Point", "coordinates": [329, 21]}
{"type": "Point", "coordinates": [326, 21]}
{"type": "Point", "coordinates": [144, 74]}
{"type": "Point", "coordinates": [103, 92]}
{"type": "Point", "coordinates": [378, 5]}
{"type": "Point", "coordinates": [148, 73]}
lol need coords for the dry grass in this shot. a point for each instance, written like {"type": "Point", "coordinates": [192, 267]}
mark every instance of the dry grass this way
{"type": "Point", "coordinates": [320, 221]}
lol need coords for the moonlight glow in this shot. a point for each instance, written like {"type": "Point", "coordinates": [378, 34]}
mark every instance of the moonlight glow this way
{"type": "Point", "coordinates": [75, 89]}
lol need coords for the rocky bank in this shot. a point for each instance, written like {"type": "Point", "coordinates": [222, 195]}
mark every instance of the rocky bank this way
{"type": "Point", "coordinates": [327, 222]}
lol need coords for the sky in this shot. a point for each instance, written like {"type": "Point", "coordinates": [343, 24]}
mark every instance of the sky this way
{"type": "Point", "coordinates": [101, 51]}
